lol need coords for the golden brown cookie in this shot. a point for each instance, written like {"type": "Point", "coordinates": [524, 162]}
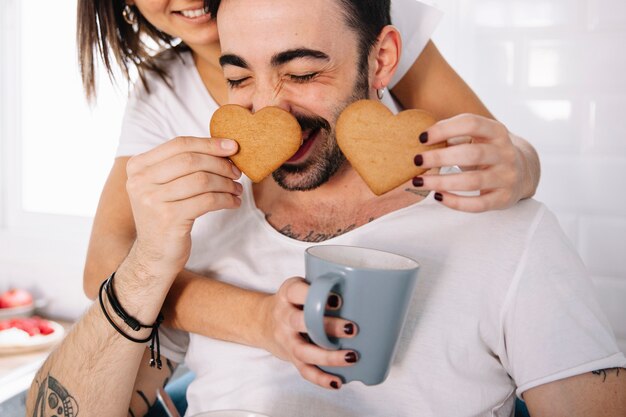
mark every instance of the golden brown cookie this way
{"type": "Point", "coordinates": [381, 146]}
{"type": "Point", "coordinates": [266, 138]}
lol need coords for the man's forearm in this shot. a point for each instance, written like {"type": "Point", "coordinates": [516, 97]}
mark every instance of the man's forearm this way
{"type": "Point", "coordinates": [93, 366]}
{"type": "Point", "coordinates": [94, 369]}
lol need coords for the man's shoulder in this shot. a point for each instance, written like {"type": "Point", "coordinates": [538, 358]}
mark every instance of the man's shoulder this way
{"type": "Point", "coordinates": [517, 220]}
{"type": "Point", "coordinates": [526, 211]}
{"type": "Point", "coordinates": [525, 216]}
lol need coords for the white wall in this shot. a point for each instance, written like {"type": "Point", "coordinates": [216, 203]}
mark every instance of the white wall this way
{"type": "Point", "coordinates": [554, 71]}
{"type": "Point", "coordinates": [55, 153]}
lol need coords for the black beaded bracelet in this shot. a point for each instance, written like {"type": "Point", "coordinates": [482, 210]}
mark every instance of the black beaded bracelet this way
{"type": "Point", "coordinates": [133, 323]}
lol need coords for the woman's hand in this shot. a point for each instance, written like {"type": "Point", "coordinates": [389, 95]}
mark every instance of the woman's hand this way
{"type": "Point", "coordinates": [286, 334]}
{"type": "Point", "coordinates": [483, 148]}
{"type": "Point", "coordinates": [172, 185]}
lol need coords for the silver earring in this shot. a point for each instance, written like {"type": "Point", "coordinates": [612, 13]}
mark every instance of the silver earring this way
{"type": "Point", "coordinates": [129, 15]}
{"type": "Point", "coordinates": [380, 93]}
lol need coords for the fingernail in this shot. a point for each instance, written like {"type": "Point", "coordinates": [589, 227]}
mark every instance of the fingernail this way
{"type": "Point", "coordinates": [239, 188]}
{"type": "Point", "coordinates": [236, 171]}
{"type": "Point", "coordinates": [348, 328]}
{"type": "Point", "coordinates": [438, 196]}
{"type": "Point", "coordinates": [333, 301]}
{"type": "Point", "coordinates": [334, 385]}
{"type": "Point", "coordinates": [418, 182]}
{"type": "Point", "coordinates": [351, 357]}
{"type": "Point", "coordinates": [424, 137]}
{"type": "Point", "coordinates": [419, 160]}
{"type": "Point", "coordinates": [228, 144]}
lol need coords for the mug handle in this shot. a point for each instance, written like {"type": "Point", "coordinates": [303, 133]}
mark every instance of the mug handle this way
{"type": "Point", "coordinates": [315, 307]}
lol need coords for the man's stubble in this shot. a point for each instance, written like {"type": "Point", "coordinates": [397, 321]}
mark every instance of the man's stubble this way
{"type": "Point", "coordinates": [320, 167]}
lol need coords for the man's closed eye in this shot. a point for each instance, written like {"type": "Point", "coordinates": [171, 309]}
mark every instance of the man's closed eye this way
{"type": "Point", "coordinates": [303, 78]}
{"type": "Point", "coordinates": [234, 83]}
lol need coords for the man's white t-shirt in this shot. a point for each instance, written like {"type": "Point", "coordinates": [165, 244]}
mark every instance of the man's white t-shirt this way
{"type": "Point", "coordinates": [502, 303]}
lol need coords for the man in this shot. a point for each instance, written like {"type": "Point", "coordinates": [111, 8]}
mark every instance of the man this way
{"type": "Point", "coordinates": [502, 307]}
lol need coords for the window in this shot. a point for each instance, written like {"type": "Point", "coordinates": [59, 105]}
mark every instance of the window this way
{"type": "Point", "coordinates": [67, 148]}
{"type": "Point", "coordinates": [55, 151]}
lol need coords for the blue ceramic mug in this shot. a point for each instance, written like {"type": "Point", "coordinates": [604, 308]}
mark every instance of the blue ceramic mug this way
{"type": "Point", "coordinates": [376, 289]}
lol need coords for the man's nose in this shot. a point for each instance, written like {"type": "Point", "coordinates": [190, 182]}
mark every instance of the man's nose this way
{"type": "Point", "coordinates": [269, 95]}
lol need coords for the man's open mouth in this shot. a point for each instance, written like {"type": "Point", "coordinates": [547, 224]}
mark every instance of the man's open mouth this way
{"type": "Point", "coordinates": [308, 138]}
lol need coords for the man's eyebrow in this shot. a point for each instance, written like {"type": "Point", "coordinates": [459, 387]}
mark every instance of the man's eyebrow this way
{"type": "Point", "coordinates": [286, 56]}
{"type": "Point", "coordinates": [230, 59]}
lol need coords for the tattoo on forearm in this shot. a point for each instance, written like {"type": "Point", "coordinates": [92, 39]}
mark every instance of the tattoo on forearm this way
{"type": "Point", "coordinates": [604, 372]}
{"type": "Point", "coordinates": [54, 399]}
{"type": "Point", "coordinates": [421, 193]}
{"type": "Point", "coordinates": [313, 236]}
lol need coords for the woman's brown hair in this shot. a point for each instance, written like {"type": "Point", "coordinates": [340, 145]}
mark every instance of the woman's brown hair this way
{"type": "Point", "coordinates": [102, 33]}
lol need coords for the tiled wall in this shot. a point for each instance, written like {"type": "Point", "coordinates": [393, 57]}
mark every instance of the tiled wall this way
{"type": "Point", "coordinates": [554, 71]}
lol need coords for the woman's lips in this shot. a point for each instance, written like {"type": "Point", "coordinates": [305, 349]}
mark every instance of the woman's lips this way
{"type": "Point", "coordinates": [307, 141]}
{"type": "Point", "coordinates": [194, 15]}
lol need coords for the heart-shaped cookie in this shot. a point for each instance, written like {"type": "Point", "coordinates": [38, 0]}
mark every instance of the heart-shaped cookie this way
{"type": "Point", "coordinates": [266, 138]}
{"type": "Point", "coordinates": [381, 146]}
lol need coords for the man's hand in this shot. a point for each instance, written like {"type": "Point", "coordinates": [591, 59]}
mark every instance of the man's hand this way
{"type": "Point", "coordinates": [286, 334]}
{"type": "Point", "coordinates": [491, 162]}
{"type": "Point", "coordinates": [172, 185]}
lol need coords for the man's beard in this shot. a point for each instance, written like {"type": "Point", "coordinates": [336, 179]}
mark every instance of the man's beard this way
{"type": "Point", "coordinates": [327, 160]}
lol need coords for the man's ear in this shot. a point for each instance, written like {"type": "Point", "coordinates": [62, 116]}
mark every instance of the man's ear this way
{"type": "Point", "coordinates": [386, 56]}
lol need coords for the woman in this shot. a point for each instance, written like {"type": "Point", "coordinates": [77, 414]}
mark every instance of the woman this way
{"type": "Point", "coordinates": [183, 85]}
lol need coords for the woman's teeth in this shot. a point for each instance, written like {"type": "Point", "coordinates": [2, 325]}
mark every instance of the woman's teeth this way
{"type": "Point", "coordinates": [194, 13]}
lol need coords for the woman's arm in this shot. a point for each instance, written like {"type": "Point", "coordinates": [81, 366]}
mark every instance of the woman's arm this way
{"type": "Point", "coordinates": [433, 85]}
{"type": "Point", "coordinates": [113, 230]}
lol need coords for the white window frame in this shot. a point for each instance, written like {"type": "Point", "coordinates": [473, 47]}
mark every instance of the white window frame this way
{"type": "Point", "coordinates": [43, 252]}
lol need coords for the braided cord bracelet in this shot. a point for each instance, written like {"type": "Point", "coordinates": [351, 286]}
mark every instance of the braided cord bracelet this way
{"type": "Point", "coordinates": [133, 323]}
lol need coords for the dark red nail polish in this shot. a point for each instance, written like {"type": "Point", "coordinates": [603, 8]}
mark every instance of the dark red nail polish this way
{"type": "Point", "coordinates": [424, 137]}
{"type": "Point", "coordinates": [333, 301]}
{"type": "Point", "coordinates": [419, 160]}
{"type": "Point", "coordinates": [334, 385]}
{"type": "Point", "coordinates": [418, 182]}
{"type": "Point", "coordinates": [348, 328]}
{"type": "Point", "coordinates": [438, 196]}
{"type": "Point", "coordinates": [351, 357]}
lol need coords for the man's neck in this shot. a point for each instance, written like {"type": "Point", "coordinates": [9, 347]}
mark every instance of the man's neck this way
{"type": "Point", "coordinates": [342, 204]}
{"type": "Point", "coordinates": [344, 188]}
